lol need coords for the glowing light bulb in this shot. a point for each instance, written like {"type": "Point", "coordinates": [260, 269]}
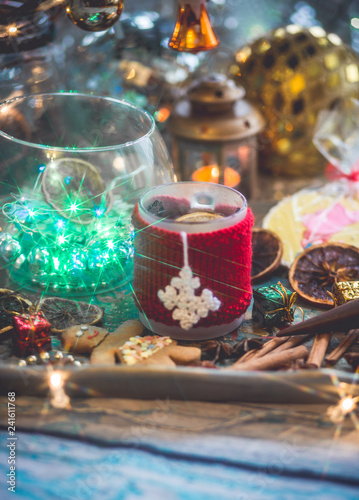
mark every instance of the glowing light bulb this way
{"type": "Point", "coordinates": [61, 239]}
{"type": "Point", "coordinates": [59, 399]}
{"type": "Point", "coordinates": [73, 207]}
{"type": "Point", "coordinates": [110, 244]}
{"type": "Point", "coordinates": [56, 380]}
{"type": "Point", "coordinates": [347, 404]}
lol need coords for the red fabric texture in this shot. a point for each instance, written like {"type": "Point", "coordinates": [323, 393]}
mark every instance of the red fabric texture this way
{"type": "Point", "coordinates": [221, 259]}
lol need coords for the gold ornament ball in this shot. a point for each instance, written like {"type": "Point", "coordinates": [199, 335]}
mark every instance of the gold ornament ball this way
{"type": "Point", "coordinates": [94, 15]}
{"type": "Point", "coordinates": [291, 74]}
{"type": "Point", "coordinates": [45, 357]}
{"type": "Point", "coordinates": [58, 356]}
{"type": "Point", "coordinates": [31, 360]}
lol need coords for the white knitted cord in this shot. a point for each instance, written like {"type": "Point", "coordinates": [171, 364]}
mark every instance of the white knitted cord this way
{"type": "Point", "coordinates": [188, 308]}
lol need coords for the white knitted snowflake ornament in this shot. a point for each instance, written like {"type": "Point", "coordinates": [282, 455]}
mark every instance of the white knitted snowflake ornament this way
{"type": "Point", "coordinates": [188, 308]}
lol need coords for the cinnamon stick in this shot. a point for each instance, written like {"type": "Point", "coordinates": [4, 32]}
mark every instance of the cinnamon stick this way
{"type": "Point", "coordinates": [318, 350]}
{"type": "Point", "coordinates": [353, 359]}
{"type": "Point", "coordinates": [272, 360]}
{"type": "Point", "coordinates": [269, 346]}
{"type": "Point", "coordinates": [342, 348]}
{"type": "Point", "coordinates": [343, 318]}
{"type": "Point", "coordinates": [292, 342]}
{"type": "Point", "coordinates": [248, 355]}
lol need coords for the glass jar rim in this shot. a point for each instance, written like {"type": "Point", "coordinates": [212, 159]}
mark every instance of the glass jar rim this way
{"type": "Point", "coordinates": [193, 227]}
{"type": "Point", "coordinates": [69, 149]}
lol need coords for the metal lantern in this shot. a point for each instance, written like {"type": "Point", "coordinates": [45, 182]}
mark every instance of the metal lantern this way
{"type": "Point", "coordinates": [214, 135]}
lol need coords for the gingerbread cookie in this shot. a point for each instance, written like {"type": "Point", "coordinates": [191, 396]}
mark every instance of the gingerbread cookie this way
{"type": "Point", "coordinates": [105, 353]}
{"type": "Point", "coordinates": [127, 346]}
{"type": "Point", "coordinates": [81, 339]}
{"type": "Point", "coordinates": [154, 350]}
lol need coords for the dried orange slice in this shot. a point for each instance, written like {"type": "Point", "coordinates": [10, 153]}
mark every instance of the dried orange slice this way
{"type": "Point", "coordinates": [315, 271]}
{"type": "Point", "coordinates": [267, 253]}
{"type": "Point", "coordinates": [63, 313]}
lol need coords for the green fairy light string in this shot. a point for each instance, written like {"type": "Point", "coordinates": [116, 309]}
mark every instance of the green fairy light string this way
{"type": "Point", "coordinates": [67, 234]}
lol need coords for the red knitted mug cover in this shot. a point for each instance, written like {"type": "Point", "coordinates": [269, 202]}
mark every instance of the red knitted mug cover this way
{"type": "Point", "coordinates": [221, 260]}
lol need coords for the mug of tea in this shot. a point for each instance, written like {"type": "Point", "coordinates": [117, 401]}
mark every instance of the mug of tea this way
{"type": "Point", "coordinates": [192, 264]}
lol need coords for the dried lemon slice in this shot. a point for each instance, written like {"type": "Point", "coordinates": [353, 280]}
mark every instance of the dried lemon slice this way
{"type": "Point", "coordinates": [199, 217]}
{"type": "Point", "coordinates": [75, 189]}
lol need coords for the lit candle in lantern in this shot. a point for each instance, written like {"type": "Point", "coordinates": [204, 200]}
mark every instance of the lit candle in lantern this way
{"type": "Point", "coordinates": [210, 173]}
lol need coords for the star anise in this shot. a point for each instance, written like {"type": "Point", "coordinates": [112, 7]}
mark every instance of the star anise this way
{"type": "Point", "coordinates": [220, 349]}
{"type": "Point", "coordinates": [224, 350]}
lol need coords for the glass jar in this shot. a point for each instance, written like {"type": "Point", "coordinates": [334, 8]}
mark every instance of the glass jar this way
{"type": "Point", "coordinates": [73, 166]}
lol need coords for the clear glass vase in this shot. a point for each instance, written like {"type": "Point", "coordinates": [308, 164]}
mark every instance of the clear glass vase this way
{"type": "Point", "coordinates": [72, 168]}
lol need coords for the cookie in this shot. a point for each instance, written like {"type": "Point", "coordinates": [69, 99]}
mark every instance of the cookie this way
{"type": "Point", "coordinates": [127, 346]}
{"type": "Point", "coordinates": [154, 350]}
{"type": "Point", "coordinates": [106, 352]}
{"type": "Point", "coordinates": [81, 339]}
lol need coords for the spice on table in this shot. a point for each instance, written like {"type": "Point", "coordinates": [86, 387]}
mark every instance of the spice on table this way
{"type": "Point", "coordinates": [353, 359]}
{"type": "Point", "coordinates": [342, 348]}
{"type": "Point", "coordinates": [343, 318]}
{"type": "Point", "coordinates": [269, 346]}
{"type": "Point", "coordinates": [245, 346]}
{"type": "Point", "coordinates": [318, 350]}
{"type": "Point", "coordinates": [218, 348]}
{"type": "Point", "coordinates": [223, 350]}
{"type": "Point", "coordinates": [273, 360]}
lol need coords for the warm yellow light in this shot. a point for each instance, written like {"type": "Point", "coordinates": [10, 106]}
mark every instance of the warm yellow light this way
{"type": "Point", "coordinates": [12, 30]}
{"type": "Point", "coordinates": [162, 114]}
{"type": "Point", "coordinates": [264, 46]}
{"type": "Point", "coordinates": [293, 29]}
{"type": "Point", "coordinates": [243, 55]}
{"type": "Point", "coordinates": [317, 31]}
{"type": "Point", "coordinates": [56, 380]}
{"type": "Point", "coordinates": [297, 84]}
{"type": "Point", "coordinates": [131, 74]}
{"type": "Point", "coordinates": [347, 404]}
{"type": "Point", "coordinates": [352, 73]}
{"type": "Point", "coordinates": [215, 171]}
{"type": "Point", "coordinates": [210, 173]}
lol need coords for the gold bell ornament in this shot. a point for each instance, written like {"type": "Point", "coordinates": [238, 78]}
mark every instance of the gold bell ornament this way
{"type": "Point", "coordinates": [94, 15]}
{"type": "Point", "coordinates": [193, 31]}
